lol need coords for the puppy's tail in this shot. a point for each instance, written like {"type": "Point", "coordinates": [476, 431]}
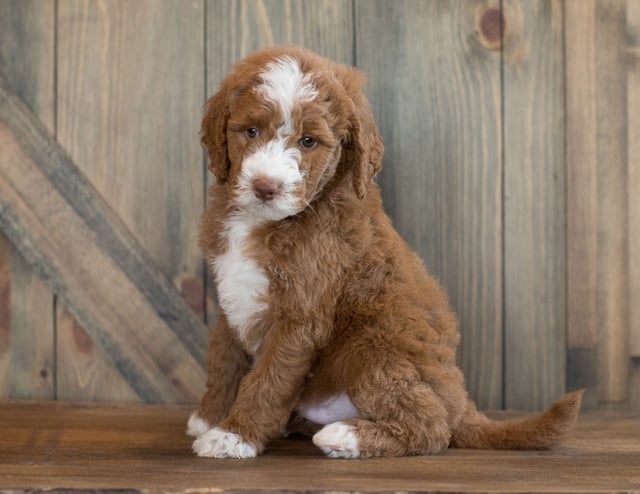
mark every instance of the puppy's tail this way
{"type": "Point", "coordinates": [537, 432]}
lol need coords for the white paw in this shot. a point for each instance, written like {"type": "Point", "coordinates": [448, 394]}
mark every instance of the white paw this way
{"type": "Point", "coordinates": [218, 443]}
{"type": "Point", "coordinates": [196, 426]}
{"type": "Point", "coordinates": [338, 440]}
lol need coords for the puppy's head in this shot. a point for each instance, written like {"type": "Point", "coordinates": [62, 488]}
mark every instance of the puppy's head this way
{"type": "Point", "coordinates": [286, 125]}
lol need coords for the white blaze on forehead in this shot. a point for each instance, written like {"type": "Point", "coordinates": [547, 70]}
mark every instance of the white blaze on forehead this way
{"type": "Point", "coordinates": [284, 84]}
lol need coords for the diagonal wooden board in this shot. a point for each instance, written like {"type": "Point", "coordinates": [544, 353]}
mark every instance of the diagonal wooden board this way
{"type": "Point", "coordinates": [86, 255]}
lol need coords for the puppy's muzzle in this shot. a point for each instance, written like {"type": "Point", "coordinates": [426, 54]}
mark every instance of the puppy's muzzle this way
{"type": "Point", "coordinates": [266, 189]}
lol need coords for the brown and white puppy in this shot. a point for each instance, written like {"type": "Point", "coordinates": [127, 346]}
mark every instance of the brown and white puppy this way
{"type": "Point", "coordinates": [326, 315]}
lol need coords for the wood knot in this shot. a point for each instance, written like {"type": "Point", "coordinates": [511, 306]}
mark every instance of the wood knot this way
{"type": "Point", "coordinates": [82, 341]}
{"type": "Point", "coordinates": [192, 291]}
{"type": "Point", "coordinates": [491, 26]}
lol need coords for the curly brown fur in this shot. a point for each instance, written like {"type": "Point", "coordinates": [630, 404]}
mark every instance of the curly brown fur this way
{"type": "Point", "coordinates": [325, 311]}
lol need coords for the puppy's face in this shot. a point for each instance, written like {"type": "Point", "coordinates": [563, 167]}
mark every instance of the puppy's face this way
{"type": "Point", "coordinates": [279, 141]}
{"type": "Point", "coordinates": [282, 126]}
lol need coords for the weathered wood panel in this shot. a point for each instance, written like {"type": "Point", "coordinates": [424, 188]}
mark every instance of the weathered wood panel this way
{"type": "Point", "coordinates": [86, 373]}
{"type": "Point", "coordinates": [27, 54]}
{"type": "Point", "coordinates": [534, 210]}
{"type": "Point", "coordinates": [132, 78]}
{"type": "Point", "coordinates": [130, 309]}
{"type": "Point", "coordinates": [6, 356]}
{"type": "Point", "coordinates": [237, 28]}
{"type": "Point", "coordinates": [634, 385]}
{"type": "Point", "coordinates": [633, 155]}
{"type": "Point", "coordinates": [597, 199]}
{"type": "Point", "coordinates": [582, 324]}
{"type": "Point", "coordinates": [31, 374]}
{"type": "Point", "coordinates": [434, 83]}
{"type": "Point", "coordinates": [130, 93]}
{"type": "Point", "coordinates": [27, 359]}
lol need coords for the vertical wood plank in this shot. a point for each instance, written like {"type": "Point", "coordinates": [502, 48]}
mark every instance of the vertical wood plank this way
{"type": "Point", "coordinates": [534, 211]}
{"type": "Point", "coordinates": [581, 129]}
{"type": "Point", "coordinates": [597, 200]}
{"type": "Point", "coordinates": [5, 318]}
{"type": "Point", "coordinates": [434, 83]}
{"type": "Point", "coordinates": [32, 334]}
{"type": "Point", "coordinates": [633, 129]}
{"type": "Point", "coordinates": [611, 106]}
{"type": "Point", "coordinates": [634, 385]}
{"type": "Point", "coordinates": [26, 305]}
{"type": "Point", "coordinates": [236, 28]}
{"type": "Point", "coordinates": [130, 93]}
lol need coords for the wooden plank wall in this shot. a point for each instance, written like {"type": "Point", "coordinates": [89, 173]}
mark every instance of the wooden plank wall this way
{"type": "Point", "coordinates": [82, 250]}
{"type": "Point", "coordinates": [533, 203]}
{"type": "Point", "coordinates": [129, 82]}
{"type": "Point", "coordinates": [512, 166]}
{"type": "Point", "coordinates": [27, 323]}
{"type": "Point", "coordinates": [602, 46]}
{"type": "Point", "coordinates": [440, 118]}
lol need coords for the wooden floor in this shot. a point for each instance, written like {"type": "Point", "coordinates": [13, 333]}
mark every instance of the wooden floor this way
{"type": "Point", "coordinates": [49, 445]}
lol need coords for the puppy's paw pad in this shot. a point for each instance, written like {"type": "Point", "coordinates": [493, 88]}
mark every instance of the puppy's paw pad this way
{"type": "Point", "coordinates": [218, 443]}
{"type": "Point", "coordinates": [196, 426]}
{"type": "Point", "coordinates": [338, 440]}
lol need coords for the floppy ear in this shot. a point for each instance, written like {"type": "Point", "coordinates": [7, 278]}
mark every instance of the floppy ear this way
{"type": "Point", "coordinates": [213, 133]}
{"type": "Point", "coordinates": [363, 148]}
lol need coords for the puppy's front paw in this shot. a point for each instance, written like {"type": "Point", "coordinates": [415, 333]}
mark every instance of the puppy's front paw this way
{"type": "Point", "coordinates": [196, 426]}
{"type": "Point", "coordinates": [218, 443]}
{"type": "Point", "coordinates": [338, 440]}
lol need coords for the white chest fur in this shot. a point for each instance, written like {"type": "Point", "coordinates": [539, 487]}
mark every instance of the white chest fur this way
{"type": "Point", "coordinates": [241, 283]}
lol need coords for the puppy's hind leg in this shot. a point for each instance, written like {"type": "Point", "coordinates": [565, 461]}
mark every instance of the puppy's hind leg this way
{"type": "Point", "coordinates": [404, 419]}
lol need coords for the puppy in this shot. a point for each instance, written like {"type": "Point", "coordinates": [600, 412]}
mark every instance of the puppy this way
{"type": "Point", "coordinates": [328, 321]}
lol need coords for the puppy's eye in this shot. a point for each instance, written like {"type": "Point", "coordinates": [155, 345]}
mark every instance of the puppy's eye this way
{"type": "Point", "coordinates": [307, 142]}
{"type": "Point", "coordinates": [252, 132]}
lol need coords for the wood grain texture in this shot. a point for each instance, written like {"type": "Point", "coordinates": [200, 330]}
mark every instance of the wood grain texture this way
{"type": "Point", "coordinates": [633, 155]}
{"type": "Point", "coordinates": [27, 348]}
{"type": "Point", "coordinates": [534, 210]}
{"type": "Point", "coordinates": [135, 448]}
{"type": "Point", "coordinates": [434, 83]}
{"type": "Point", "coordinates": [132, 78]}
{"type": "Point", "coordinates": [634, 385]}
{"type": "Point", "coordinates": [236, 28]}
{"type": "Point", "coordinates": [597, 199]}
{"type": "Point", "coordinates": [27, 54]}
{"type": "Point", "coordinates": [32, 369]}
{"type": "Point", "coordinates": [87, 372]}
{"type": "Point", "coordinates": [5, 318]}
{"type": "Point", "coordinates": [130, 93]}
{"type": "Point", "coordinates": [582, 252]}
{"type": "Point", "coordinates": [86, 255]}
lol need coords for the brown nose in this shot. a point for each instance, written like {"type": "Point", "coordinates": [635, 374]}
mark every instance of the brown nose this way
{"type": "Point", "coordinates": [266, 189]}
